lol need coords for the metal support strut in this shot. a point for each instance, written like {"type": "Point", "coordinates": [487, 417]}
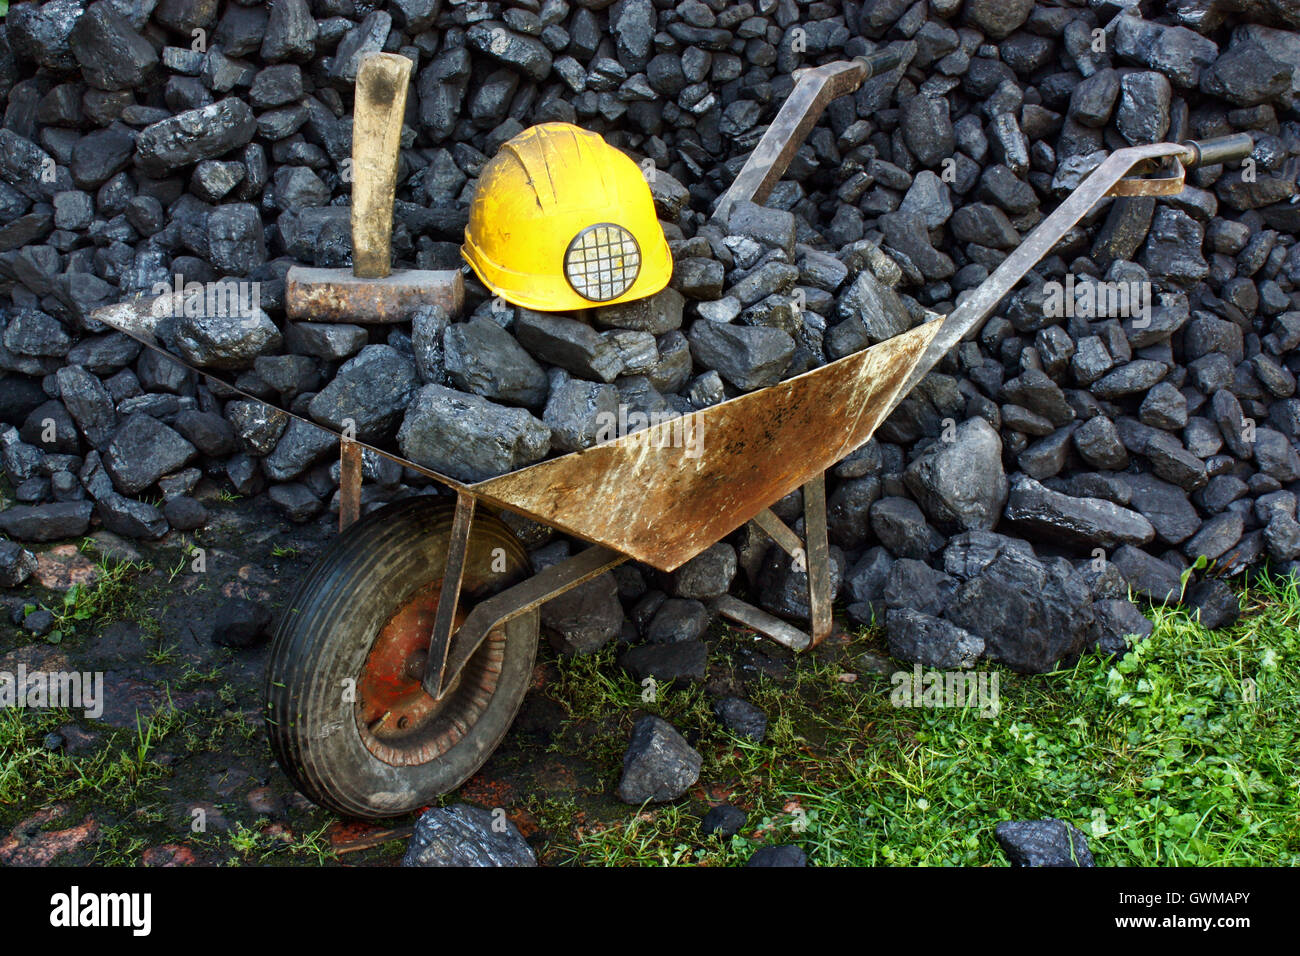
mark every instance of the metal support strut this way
{"type": "Point", "coordinates": [811, 557]}
{"type": "Point", "coordinates": [349, 483]}
{"type": "Point", "coordinates": [495, 611]}
{"type": "Point", "coordinates": [444, 619]}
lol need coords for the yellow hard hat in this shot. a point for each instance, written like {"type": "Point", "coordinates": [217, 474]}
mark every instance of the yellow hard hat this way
{"type": "Point", "coordinates": [562, 220]}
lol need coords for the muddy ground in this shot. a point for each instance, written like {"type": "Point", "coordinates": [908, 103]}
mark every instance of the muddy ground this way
{"type": "Point", "coordinates": [177, 769]}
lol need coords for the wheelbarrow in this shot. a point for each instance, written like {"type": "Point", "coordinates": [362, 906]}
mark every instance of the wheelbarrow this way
{"type": "Point", "coordinates": [405, 652]}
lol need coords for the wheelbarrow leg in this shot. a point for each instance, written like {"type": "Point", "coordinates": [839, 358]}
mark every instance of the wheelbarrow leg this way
{"type": "Point", "coordinates": [811, 556]}
{"type": "Point", "coordinates": [818, 558]}
{"type": "Point", "coordinates": [349, 483]}
{"type": "Point", "coordinates": [444, 619]}
{"type": "Point", "coordinates": [769, 625]}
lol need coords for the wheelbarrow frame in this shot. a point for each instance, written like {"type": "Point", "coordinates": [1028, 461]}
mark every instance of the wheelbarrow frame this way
{"type": "Point", "coordinates": [864, 387]}
{"type": "Point", "coordinates": [450, 651]}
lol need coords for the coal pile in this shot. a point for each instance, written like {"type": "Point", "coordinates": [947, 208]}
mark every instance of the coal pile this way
{"type": "Point", "coordinates": [1129, 408]}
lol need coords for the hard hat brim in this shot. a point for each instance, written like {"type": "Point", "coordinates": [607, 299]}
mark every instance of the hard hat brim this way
{"type": "Point", "coordinates": [553, 293]}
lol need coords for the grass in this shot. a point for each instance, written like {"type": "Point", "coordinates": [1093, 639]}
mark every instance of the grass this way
{"type": "Point", "coordinates": [1185, 752]}
{"type": "Point", "coordinates": [262, 844]}
{"type": "Point", "coordinates": [112, 595]}
{"type": "Point", "coordinates": [115, 776]}
{"type": "Point", "coordinates": [126, 784]}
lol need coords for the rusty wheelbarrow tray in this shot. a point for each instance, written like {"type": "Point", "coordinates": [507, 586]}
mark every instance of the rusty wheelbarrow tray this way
{"type": "Point", "coordinates": [653, 498]}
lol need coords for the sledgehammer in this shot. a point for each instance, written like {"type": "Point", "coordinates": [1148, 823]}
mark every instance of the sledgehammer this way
{"type": "Point", "coordinates": [371, 291]}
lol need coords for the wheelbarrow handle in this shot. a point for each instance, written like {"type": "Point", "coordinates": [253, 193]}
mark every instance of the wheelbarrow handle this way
{"type": "Point", "coordinates": [814, 88]}
{"type": "Point", "coordinates": [1221, 149]}
{"type": "Point", "coordinates": [877, 63]}
{"type": "Point", "coordinates": [968, 317]}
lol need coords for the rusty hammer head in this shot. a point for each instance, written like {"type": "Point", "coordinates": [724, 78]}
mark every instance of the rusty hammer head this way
{"type": "Point", "coordinates": [371, 291]}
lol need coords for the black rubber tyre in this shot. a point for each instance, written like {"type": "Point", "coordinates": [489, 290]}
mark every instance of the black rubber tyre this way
{"type": "Point", "coordinates": [332, 668]}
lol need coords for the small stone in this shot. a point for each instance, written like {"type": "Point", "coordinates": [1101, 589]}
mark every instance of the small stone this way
{"type": "Point", "coordinates": [366, 38]}
{"type": "Point", "coordinates": [741, 718]}
{"type": "Point", "coordinates": [111, 54]}
{"type": "Point", "coordinates": [748, 357]}
{"type": "Point", "coordinates": [784, 856]}
{"type": "Point", "coordinates": [578, 412]}
{"type": "Point", "coordinates": [961, 483]}
{"type": "Point", "coordinates": [461, 835]}
{"type": "Point", "coordinates": [39, 622]}
{"type": "Point", "coordinates": [290, 32]}
{"type": "Point", "coordinates": [1086, 522]}
{"type": "Point", "coordinates": [901, 527]}
{"type": "Point", "coordinates": [919, 637]}
{"type": "Point", "coordinates": [1164, 407]}
{"type": "Point", "coordinates": [678, 619]}
{"type": "Point", "coordinates": [483, 358]}
{"type": "Point", "coordinates": [130, 518]}
{"type": "Point", "coordinates": [1177, 52]}
{"type": "Point", "coordinates": [1213, 603]}
{"type": "Point", "coordinates": [142, 450]}
{"type": "Point", "coordinates": [1118, 624]}
{"type": "Point", "coordinates": [369, 394]}
{"type": "Point", "coordinates": [297, 501]}
{"type": "Point", "coordinates": [772, 227]}
{"type": "Point", "coordinates": [573, 346]}
{"type": "Point", "coordinates": [1047, 842]}
{"type": "Point", "coordinates": [16, 564]}
{"type": "Point", "coordinates": [723, 820]}
{"type": "Point", "coordinates": [241, 623]}
{"type": "Point", "coordinates": [659, 764]}
{"type": "Point", "coordinates": [185, 514]}
{"type": "Point", "coordinates": [1031, 615]}
{"type": "Point", "coordinates": [583, 619]}
{"type": "Point", "coordinates": [188, 137]}
{"type": "Point", "coordinates": [709, 574]}
{"type": "Point", "coordinates": [927, 129]}
{"type": "Point", "coordinates": [1247, 75]}
{"type": "Point", "coordinates": [1093, 100]}
{"type": "Point", "coordinates": [1097, 442]}
{"type": "Point", "coordinates": [683, 661]}
{"type": "Point", "coordinates": [468, 437]}
{"type": "Point", "coordinates": [216, 341]}
{"type": "Point", "coordinates": [1144, 103]}
{"type": "Point", "coordinates": [1215, 537]}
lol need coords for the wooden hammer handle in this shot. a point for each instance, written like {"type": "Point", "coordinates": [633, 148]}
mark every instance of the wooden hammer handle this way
{"type": "Point", "coordinates": [380, 104]}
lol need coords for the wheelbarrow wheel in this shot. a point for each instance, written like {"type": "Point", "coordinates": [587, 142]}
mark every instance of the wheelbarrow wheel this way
{"type": "Point", "coordinates": [347, 717]}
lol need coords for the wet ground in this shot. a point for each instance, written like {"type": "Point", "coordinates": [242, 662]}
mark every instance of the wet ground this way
{"type": "Point", "coordinates": [177, 769]}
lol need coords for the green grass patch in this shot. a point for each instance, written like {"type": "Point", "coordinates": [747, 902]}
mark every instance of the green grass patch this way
{"type": "Point", "coordinates": [116, 775]}
{"type": "Point", "coordinates": [1185, 752]}
{"type": "Point", "coordinates": [111, 596]}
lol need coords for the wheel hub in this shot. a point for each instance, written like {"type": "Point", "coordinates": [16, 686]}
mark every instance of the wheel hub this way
{"type": "Point", "coordinates": [399, 722]}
